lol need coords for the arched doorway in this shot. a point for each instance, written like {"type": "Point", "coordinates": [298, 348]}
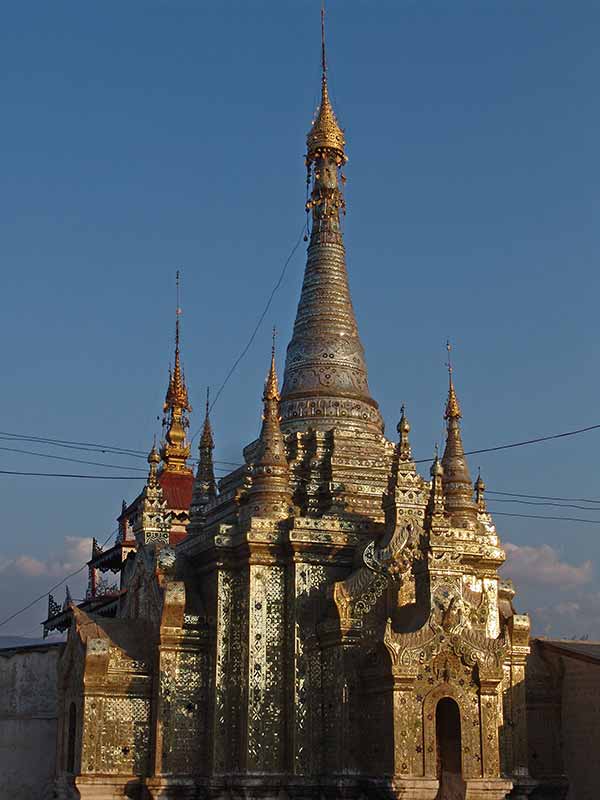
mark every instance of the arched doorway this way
{"type": "Point", "coordinates": [449, 751]}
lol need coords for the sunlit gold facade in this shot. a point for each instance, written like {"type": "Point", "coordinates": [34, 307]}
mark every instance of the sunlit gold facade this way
{"type": "Point", "coordinates": [333, 625]}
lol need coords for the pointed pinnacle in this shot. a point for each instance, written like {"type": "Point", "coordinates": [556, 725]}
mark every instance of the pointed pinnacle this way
{"type": "Point", "coordinates": [452, 405]}
{"type": "Point", "coordinates": [271, 391]}
{"type": "Point", "coordinates": [325, 131]}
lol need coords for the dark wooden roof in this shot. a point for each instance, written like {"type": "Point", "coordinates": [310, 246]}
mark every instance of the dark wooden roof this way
{"type": "Point", "coordinates": [580, 649]}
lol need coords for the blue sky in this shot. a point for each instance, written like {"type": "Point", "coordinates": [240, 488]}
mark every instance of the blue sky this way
{"type": "Point", "coordinates": [139, 138]}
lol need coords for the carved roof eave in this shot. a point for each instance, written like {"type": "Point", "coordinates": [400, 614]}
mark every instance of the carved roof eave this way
{"type": "Point", "coordinates": [112, 559]}
{"type": "Point", "coordinates": [60, 622]}
{"type": "Point", "coordinates": [105, 606]}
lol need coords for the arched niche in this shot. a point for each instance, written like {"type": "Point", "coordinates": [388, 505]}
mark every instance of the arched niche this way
{"type": "Point", "coordinates": [470, 739]}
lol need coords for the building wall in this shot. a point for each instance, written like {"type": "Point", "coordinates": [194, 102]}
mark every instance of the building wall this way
{"type": "Point", "coordinates": [581, 728]}
{"type": "Point", "coordinates": [563, 718]}
{"type": "Point", "coordinates": [28, 721]}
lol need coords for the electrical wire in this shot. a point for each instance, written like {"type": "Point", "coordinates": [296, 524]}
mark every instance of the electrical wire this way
{"type": "Point", "coordinates": [95, 448]}
{"type": "Point", "coordinates": [258, 324]}
{"type": "Point", "coordinates": [546, 503]}
{"type": "Point", "coordinates": [53, 588]}
{"type": "Point", "coordinates": [533, 441]}
{"type": "Point", "coordinates": [76, 460]}
{"type": "Point", "coordinates": [73, 445]}
{"type": "Point", "coordinates": [520, 444]}
{"type": "Point", "coordinates": [70, 475]}
{"type": "Point", "coordinates": [106, 448]}
{"type": "Point", "coordinates": [543, 516]}
{"type": "Point", "coordinates": [545, 497]}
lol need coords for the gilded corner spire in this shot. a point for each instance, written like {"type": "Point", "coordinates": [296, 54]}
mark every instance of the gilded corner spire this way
{"type": "Point", "coordinates": [207, 439]}
{"type": "Point", "coordinates": [480, 493]}
{"type": "Point", "coordinates": [153, 461]}
{"type": "Point", "coordinates": [175, 450]}
{"type": "Point", "coordinates": [403, 428]}
{"type": "Point", "coordinates": [458, 489]}
{"type": "Point", "coordinates": [436, 497]}
{"type": "Point", "coordinates": [271, 391]}
{"type": "Point", "coordinates": [151, 524]}
{"type": "Point", "coordinates": [452, 405]}
{"type": "Point", "coordinates": [270, 494]}
{"type": "Point", "coordinates": [205, 485]}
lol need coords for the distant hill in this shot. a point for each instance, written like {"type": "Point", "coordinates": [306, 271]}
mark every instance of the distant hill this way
{"type": "Point", "coordinates": [7, 642]}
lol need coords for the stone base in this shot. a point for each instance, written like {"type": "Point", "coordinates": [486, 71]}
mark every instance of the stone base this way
{"type": "Point", "coordinates": [277, 787]}
{"type": "Point", "coordinates": [555, 788]}
{"type": "Point", "coordinates": [110, 787]}
{"type": "Point", "coordinates": [487, 789]}
{"type": "Point", "coordinates": [165, 788]}
{"type": "Point", "coordinates": [64, 789]}
{"type": "Point", "coordinates": [523, 786]}
{"type": "Point", "coordinates": [247, 787]}
{"type": "Point", "coordinates": [401, 787]}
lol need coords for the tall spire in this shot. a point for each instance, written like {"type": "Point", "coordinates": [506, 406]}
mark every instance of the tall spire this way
{"type": "Point", "coordinates": [458, 489]}
{"type": "Point", "coordinates": [205, 486]}
{"type": "Point", "coordinates": [175, 450]}
{"type": "Point", "coordinates": [270, 494]}
{"type": "Point", "coordinates": [325, 382]}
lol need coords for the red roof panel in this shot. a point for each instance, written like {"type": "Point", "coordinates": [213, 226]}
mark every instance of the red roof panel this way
{"type": "Point", "coordinates": [177, 488]}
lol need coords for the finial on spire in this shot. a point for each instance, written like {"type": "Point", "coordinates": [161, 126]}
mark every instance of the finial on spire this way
{"type": "Point", "coordinates": [272, 383]}
{"type": "Point", "coordinates": [206, 440]}
{"type": "Point", "coordinates": [436, 467]}
{"type": "Point", "coordinates": [153, 457]}
{"type": "Point", "coordinates": [323, 59]}
{"type": "Point", "coordinates": [403, 428]}
{"type": "Point", "coordinates": [175, 450]}
{"type": "Point", "coordinates": [480, 492]}
{"type": "Point", "coordinates": [452, 406]}
{"type": "Point", "coordinates": [325, 133]}
{"type": "Point", "coordinates": [178, 311]}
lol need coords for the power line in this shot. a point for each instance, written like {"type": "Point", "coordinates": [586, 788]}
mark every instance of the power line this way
{"type": "Point", "coordinates": [89, 447]}
{"type": "Point", "coordinates": [76, 460]}
{"type": "Point", "coordinates": [52, 588]}
{"type": "Point", "coordinates": [258, 324]}
{"type": "Point", "coordinates": [521, 444]}
{"type": "Point", "coordinates": [68, 475]}
{"type": "Point", "coordinates": [546, 497]}
{"type": "Point", "coordinates": [546, 503]}
{"type": "Point", "coordinates": [73, 445]}
{"type": "Point", "coordinates": [533, 441]}
{"type": "Point", "coordinates": [140, 454]}
{"type": "Point", "coordinates": [542, 516]}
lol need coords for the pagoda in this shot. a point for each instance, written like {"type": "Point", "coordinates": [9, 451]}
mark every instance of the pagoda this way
{"type": "Point", "coordinates": [333, 624]}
